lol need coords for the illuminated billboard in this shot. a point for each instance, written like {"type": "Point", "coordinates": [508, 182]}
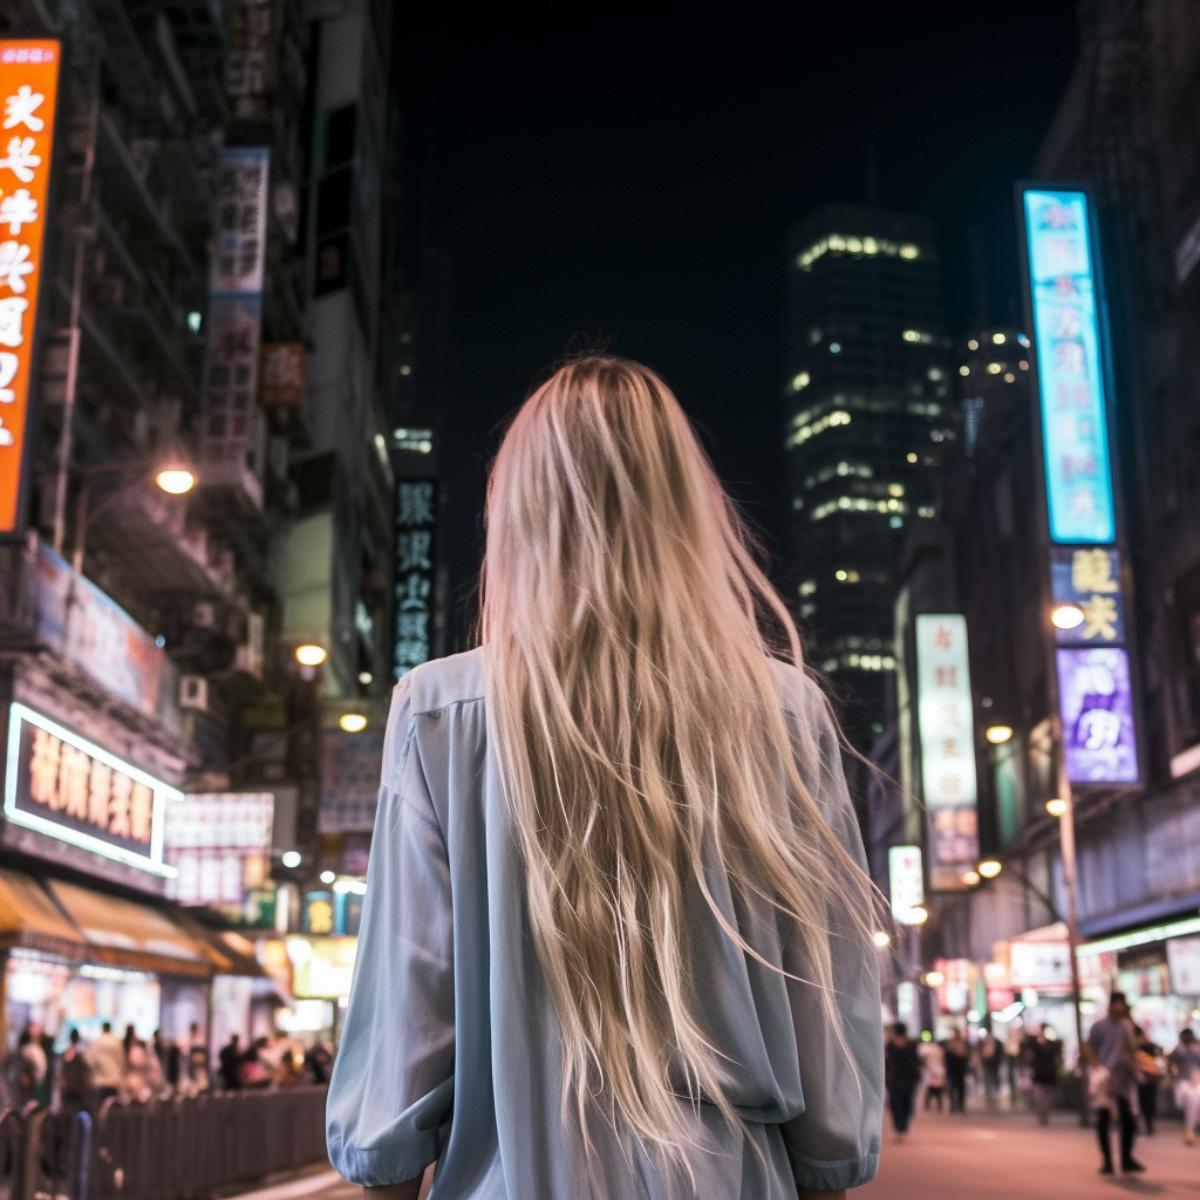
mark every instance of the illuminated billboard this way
{"type": "Point", "coordinates": [946, 730]}
{"type": "Point", "coordinates": [68, 788]}
{"type": "Point", "coordinates": [1096, 701]}
{"type": "Point", "coordinates": [906, 882]}
{"type": "Point", "coordinates": [28, 95]}
{"type": "Point", "coordinates": [1065, 308]}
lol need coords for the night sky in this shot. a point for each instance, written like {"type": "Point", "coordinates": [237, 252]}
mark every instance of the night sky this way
{"type": "Point", "coordinates": [628, 182]}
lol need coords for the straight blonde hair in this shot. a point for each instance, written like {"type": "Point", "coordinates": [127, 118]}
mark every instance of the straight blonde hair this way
{"type": "Point", "coordinates": [641, 739]}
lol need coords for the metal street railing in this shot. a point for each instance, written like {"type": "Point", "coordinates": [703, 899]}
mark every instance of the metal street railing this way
{"type": "Point", "coordinates": [176, 1149]}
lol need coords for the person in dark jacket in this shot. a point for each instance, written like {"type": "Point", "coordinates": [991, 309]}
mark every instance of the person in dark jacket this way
{"type": "Point", "coordinates": [1043, 1057]}
{"type": "Point", "coordinates": [958, 1059]}
{"type": "Point", "coordinates": [229, 1060]}
{"type": "Point", "coordinates": [902, 1073]}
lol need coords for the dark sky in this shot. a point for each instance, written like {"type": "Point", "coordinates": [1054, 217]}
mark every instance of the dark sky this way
{"type": "Point", "coordinates": [632, 178]}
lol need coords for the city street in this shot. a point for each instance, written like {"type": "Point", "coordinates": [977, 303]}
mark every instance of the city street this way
{"type": "Point", "coordinates": [1006, 1156]}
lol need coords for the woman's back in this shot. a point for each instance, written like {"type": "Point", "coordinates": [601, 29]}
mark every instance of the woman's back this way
{"type": "Point", "coordinates": [618, 932]}
{"type": "Point", "coordinates": [450, 1046]}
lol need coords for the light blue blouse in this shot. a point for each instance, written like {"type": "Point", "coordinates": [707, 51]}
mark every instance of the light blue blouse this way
{"type": "Point", "coordinates": [450, 1049]}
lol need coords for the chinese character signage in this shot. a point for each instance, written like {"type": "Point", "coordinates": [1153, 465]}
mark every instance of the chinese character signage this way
{"type": "Point", "coordinates": [349, 780]}
{"type": "Point", "coordinates": [231, 425]}
{"type": "Point", "coordinates": [946, 729]}
{"type": "Point", "coordinates": [1066, 329]}
{"type": "Point", "coordinates": [28, 93]}
{"type": "Point", "coordinates": [1096, 702]}
{"type": "Point", "coordinates": [251, 63]}
{"type": "Point", "coordinates": [906, 881]}
{"type": "Point", "coordinates": [416, 524]}
{"type": "Point", "coordinates": [1090, 578]}
{"type": "Point", "coordinates": [219, 844]}
{"type": "Point", "coordinates": [64, 786]}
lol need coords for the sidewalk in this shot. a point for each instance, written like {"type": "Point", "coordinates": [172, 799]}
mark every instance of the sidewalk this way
{"type": "Point", "coordinates": [1006, 1155]}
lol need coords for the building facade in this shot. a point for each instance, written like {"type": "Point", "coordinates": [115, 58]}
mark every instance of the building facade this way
{"type": "Point", "coordinates": [869, 419]}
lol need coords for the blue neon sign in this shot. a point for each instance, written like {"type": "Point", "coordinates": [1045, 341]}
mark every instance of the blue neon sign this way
{"type": "Point", "coordinates": [1066, 333]}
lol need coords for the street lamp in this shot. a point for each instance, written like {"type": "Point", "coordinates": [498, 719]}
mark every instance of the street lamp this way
{"type": "Point", "coordinates": [1066, 616]}
{"type": "Point", "coordinates": [881, 939]}
{"type": "Point", "coordinates": [173, 476]}
{"type": "Point", "coordinates": [290, 859]}
{"type": "Point", "coordinates": [917, 915]}
{"type": "Point", "coordinates": [311, 654]}
{"type": "Point", "coordinates": [997, 735]}
{"type": "Point", "coordinates": [1056, 806]}
{"type": "Point", "coordinates": [352, 722]}
{"type": "Point", "coordinates": [934, 979]}
{"type": "Point", "coordinates": [971, 878]}
{"type": "Point", "coordinates": [989, 868]}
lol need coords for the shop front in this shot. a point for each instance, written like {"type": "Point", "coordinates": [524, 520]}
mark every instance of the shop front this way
{"type": "Point", "coordinates": [1158, 969]}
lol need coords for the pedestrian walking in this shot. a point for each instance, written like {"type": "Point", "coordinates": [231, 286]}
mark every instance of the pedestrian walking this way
{"type": "Point", "coordinates": [1149, 1065]}
{"type": "Point", "coordinates": [1043, 1060]}
{"type": "Point", "coordinates": [634, 814]}
{"type": "Point", "coordinates": [25, 1069]}
{"type": "Point", "coordinates": [958, 1058]}
{"type": "Point", "coordinates": [106, 1058]}
{"type": "Point", "coordinates": [991, 1060]}
{"type": "Point", "coordinates": [933, 1073]}
{"type": "Point", "coordinates": [198, 1076]}
{"type": "Point", "coordinates": [1184, 1064]}
{"type": "Point", "coordinates": [902, 1074]}
{"type": "Point", "coordinates": [1110, 1053]}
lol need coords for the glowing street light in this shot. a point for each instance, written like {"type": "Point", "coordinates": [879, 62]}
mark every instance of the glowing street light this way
{"type": "Point", "coordinates": [1066, 616]}
{"type": "Point", "coordinates": [917, 915]}
{"type": "Point", "coordinates": [311, 654]}
{"type": "Point", "coordinates": [1056, 806]}
{"type": "Point", "coordinates": [328, 876]}
{"type": "Point", "coordinates": [998, 734]}
{"type": "Point", "coordinates": [990, 868]}
{"type": "Point", "coordinates": [290, 859]}
{"type": "Point", "coordinates": [934, 979]}
{"type": "Point", "coordinates": [971, 878]}
{"type": "Point", "coordinates": [176, 480]}
{"type": "Point", "coordinates": [881, 939]}
{"type": "Point", "coordinates": [352, 722]}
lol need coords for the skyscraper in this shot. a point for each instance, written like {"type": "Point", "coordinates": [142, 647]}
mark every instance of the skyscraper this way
{"type": "Point", "coordinates": [869, 417]}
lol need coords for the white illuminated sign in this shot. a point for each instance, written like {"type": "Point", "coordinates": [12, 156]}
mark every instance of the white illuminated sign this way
{"type": "Point", "coordinates": [906, 881]}
{"type": "Point", "coordinates": [68, 788]}
{"type": "Point", "coordinates": [946, 724]}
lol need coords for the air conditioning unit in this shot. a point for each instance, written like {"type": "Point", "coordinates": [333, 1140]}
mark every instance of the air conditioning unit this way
{"type": "Point", "coordinates": [193, 692]}
{"type": "Point", "coordinates": [204, 615]}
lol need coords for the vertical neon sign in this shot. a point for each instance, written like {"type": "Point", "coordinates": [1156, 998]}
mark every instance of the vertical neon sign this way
{"type": "Point", "coordinates": [29, 97]}
{"type": "Point", "coordinates": [1066, 328]}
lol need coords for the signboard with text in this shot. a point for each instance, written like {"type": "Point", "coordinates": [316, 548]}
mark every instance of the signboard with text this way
{"type": "Point", "coordinates": [1066, 327]}
{"type": "Point", "coordinates": [906, 881]}
{"type": "Point", "coordinates": [416, 526]}
{"type": "Point", "coordinates": [29, 95]}
{"type": "Point", "coordinates": [220, 845]}
{"type": "Point", "coordinates": [1096, 701]}
{"type": "Point", "coordinates": [946, 730]}
{"type": "Point", "coordinates": [1090, 578]}
{"type": "Point", "coordinates": [66, 787]}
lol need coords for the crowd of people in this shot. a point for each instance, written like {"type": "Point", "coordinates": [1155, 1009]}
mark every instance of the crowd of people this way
{"type": "Point", "coordinates": [136, 1069]}
{"type": "Point", "coordinates": [1125, 1071]}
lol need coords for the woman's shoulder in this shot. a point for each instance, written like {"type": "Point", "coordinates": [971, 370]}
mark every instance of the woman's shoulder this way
{"type": "Point", "coordinates": [442, 682]}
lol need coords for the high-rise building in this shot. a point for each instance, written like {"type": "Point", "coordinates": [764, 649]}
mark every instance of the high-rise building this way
{"type": "Point", "coordinates": [869, 414]}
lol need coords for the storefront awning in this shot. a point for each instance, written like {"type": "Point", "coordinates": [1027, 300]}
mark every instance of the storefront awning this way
{"type": "Point", "coordinates": [30, 919]}
{"type": "Point", "coordinates": [124, 933]}
{"type": "Point", "coordinates": [229, 952]}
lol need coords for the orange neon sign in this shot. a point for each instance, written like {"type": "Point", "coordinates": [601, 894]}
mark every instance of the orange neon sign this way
{"type": "Point", "coordinates": [28, 98]}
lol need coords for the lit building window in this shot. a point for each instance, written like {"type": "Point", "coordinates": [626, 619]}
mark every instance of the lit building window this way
{"type": "Point", "coordinates": [1024, 364]}
{"type": "Point", "coordinates": [995, 368]}
{"type": "Point", "coordinates": [936, 373]}
{"type": "Point", "coordinates": [856, 246]}
{"type": "Point", "coordinates": [1022, 339]}
{"type": "Point", "coordinates": [925, 510]}
{"type": "Point", "coordinates": [911, 456]}
{"type": "Point", "coordinates": [835, 347]}
{"type": "Point", "coordinates": [999, 339]}
{"type": "Point", "coordinates": [964, 369]}
{"type": "Point", "coordinates": [1009, 377]}
{"type": "Point", "coordinates": [895, 489]}
{"type": "Point", "coordinates": [972, 345]}
{"type": "Point", "coordinates": [807, 587]}
{"type": "Point", "coordinates": [801, 381]}
{"type": "Point", "coordinates": [909, 251]}
{"type": "Point", "coordinates": [814, 336]}
{"type": "Point", "coordinates": [918, 336]}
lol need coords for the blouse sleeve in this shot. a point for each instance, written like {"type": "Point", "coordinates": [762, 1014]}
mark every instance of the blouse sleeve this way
{"type": "Point", "coordinates": [834, 1143]}
{"type": "Point", "coordinates": [391, 1092]}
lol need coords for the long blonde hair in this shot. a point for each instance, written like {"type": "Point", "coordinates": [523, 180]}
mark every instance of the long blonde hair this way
{"type": "Point", "coordinates": [637, 719]}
